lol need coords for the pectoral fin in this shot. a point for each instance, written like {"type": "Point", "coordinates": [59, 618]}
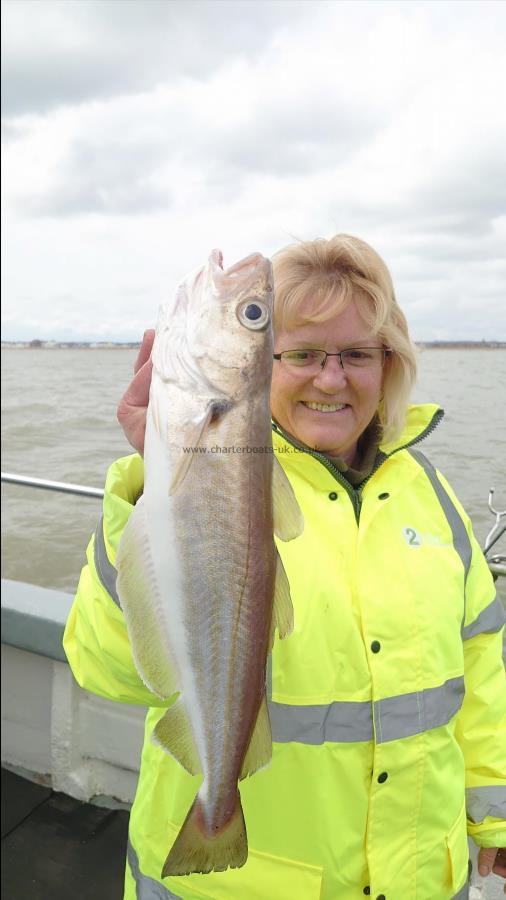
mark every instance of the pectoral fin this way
{"type": "Point", "coordinates": [137, 591]}
{"type": "Point", "coordinates": [192, 436]}
{"type": "Point", "coordinates": [288, 519]}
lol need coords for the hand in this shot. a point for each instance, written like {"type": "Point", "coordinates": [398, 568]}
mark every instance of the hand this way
{"type": "Point", "coordinates": [492, 859]}
{"type": "Point", "coordinates": [134, 402]}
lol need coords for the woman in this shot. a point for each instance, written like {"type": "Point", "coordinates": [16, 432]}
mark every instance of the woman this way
{"type": "Point", "coordinates": [388, 697]}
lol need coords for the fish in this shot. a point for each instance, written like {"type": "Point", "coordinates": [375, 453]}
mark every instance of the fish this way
{"type": "Point", "coordinates": [200, 581]}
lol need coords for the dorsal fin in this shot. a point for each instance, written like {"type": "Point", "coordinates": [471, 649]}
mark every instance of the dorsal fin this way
{"type": "Point", "coordinates": [288, 519]}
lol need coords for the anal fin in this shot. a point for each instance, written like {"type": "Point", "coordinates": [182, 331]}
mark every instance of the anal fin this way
{"type": "Point", "coordinates": [138, 593]}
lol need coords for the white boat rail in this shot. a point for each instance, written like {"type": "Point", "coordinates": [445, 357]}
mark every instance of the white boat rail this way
{"type": "Point", "coordinates": [497, 562]}
{"type": "Point", "coordinates": [64, 487]}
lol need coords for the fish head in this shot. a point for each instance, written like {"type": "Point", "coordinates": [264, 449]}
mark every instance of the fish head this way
{"type": "Point", "coordinates": [218, 330]}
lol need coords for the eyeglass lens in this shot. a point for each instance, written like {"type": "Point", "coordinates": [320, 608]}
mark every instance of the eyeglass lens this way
{"type": "Point", "coordinates": [360, 357]}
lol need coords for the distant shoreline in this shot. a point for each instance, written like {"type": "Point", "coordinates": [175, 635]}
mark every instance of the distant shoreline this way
{"type": "Point", "coordinates": [135, 345]}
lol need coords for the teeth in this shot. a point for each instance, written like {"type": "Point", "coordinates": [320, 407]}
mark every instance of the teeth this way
{"type": "Point", "coordinates": [325, 407]}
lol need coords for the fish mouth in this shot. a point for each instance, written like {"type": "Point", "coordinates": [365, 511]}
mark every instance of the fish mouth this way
{"type": "Point", "coordinates": [249, 263]}
{"type": "Point", "coordinates": [325, 407]}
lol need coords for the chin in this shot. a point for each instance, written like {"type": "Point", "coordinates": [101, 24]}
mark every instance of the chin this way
{"type": "Point", "coordinates": [324, 443]}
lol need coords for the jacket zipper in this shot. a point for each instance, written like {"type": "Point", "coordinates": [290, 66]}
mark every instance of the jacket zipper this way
{"type": "Point", "coordinates": [356, 496]}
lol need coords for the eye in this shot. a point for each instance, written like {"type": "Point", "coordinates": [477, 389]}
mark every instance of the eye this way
{"type": "Point", "coordinates": [253, 312]}
{"type": "Point", "coordinates": [254, 315]}
{"type": "Point", "coordinates": [304, 355]}
{"type": "Point", "coordinates": [301, 357]}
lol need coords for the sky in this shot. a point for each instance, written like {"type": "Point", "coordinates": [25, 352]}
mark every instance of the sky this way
{"type": "Point", "coordinates": [138, 135]}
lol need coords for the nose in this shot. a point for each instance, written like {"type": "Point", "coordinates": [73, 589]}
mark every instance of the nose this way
{"type": "Point", "coordinates": [332, 375]}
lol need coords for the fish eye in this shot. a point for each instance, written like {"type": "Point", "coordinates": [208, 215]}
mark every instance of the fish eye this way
{"type": "Point", "coordinates": [252, 311]}
{"type": "Point", "coordinates": [253, 314]}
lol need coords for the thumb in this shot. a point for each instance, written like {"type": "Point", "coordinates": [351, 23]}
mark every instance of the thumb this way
{"type": "Point", "coordinates": [145, 349]}
{"type": "Point", "coordinates": [486, 859]}
{"type": "Point", "coordinates": [137, 393]}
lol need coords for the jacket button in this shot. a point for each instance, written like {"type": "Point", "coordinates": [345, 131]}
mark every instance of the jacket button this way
{"type": "Point", "coordinates": [381, 897]}
{"type": "Point", "coordinates": [367, 890]}
{"type": "Point", "coordinates": [383, 496]}
{"type": "Point", "coordinates": [382, 777]}
{"type": "Point", "coordinates": [375, 646]}
{"type": "Point", "coordinates": [333, 496]}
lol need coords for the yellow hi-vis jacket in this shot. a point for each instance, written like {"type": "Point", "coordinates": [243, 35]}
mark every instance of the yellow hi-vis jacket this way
{"type": "Point", "coordinates": [387, 703]}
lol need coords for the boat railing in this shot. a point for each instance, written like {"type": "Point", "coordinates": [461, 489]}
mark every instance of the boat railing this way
{"type": "Point", "coordinates": [63, 486]}
{"type": "Point", "coordinates": [496, 562]}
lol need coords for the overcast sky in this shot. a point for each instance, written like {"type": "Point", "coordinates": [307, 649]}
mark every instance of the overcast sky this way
{"type": "Point", "coordinates": [140, 134]}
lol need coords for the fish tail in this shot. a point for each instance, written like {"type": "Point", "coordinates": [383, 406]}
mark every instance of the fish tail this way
{"type": "Point", "coordinates": [194, 850]}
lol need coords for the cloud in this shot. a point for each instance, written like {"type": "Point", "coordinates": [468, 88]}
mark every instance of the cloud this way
{"type": "Point", "coordinates": [139, 135]}
{"type": "Point", "coordinates": [114, 152]}
{"type": "Point", "coordinates": [56, 53]}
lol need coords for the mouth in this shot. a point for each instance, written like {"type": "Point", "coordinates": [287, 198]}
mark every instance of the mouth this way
{"type": "Point", "coordinates": [325, 407]}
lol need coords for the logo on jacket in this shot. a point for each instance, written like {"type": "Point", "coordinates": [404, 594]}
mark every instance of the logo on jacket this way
{"type": "Point", "coordinates": [415, 538]}
{"type": "Point", "coordinates": [412, 536]}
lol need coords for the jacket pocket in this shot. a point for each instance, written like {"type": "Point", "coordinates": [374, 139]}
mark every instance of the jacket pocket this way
{"type": "Point", "coordinates": [458, 851]}
{"type": "Point", "coordinates": [262, 876]}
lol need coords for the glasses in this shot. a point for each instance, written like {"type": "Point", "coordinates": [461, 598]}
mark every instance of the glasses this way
{"type": "Point", "coordinates": [354, 358]}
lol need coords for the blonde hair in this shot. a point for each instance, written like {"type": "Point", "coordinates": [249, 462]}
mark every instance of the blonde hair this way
{"type": "Point", "coordinates": [331, 273]}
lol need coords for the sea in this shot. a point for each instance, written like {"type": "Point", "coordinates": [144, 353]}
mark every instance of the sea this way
{"type": "Point", "coordinates": [59, 423]}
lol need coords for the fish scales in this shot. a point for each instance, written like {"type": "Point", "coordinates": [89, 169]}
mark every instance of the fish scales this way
{"type": "Point", "coordinates": [199, 578]}
{"type": "Point", "coordinates": [235, 589]}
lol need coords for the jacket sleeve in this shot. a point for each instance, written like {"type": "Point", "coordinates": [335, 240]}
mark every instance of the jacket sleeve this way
{"type": "Point", "coordinates": [481, 724]}
{"type": "Point", "coordinates": [95, 640]}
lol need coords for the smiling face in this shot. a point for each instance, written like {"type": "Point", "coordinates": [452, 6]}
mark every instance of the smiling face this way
{"type": "Point", "coordinates": [330, 410]}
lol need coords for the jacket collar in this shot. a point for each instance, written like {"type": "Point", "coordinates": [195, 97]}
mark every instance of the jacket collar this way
{"type": "Point", "coordinates": [421, 420]}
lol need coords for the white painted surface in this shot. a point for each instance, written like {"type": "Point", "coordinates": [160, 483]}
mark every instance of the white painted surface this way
{"type": "Point", "coordinates": [26, 709]}
{"type": "Point", "coordinates": [80, 744]}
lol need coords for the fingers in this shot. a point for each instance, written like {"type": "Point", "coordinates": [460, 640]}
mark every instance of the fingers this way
{"type": "Point", "coordinates": [137, 393]}
{"type": "Point", "coordinates": [131, 412]}
{"type": "Point", "coordinates": [145, 349]}
{"type": "Point", "coordinates": [499, 867]}
{"type": "Point", "coordinates": [486, 859]}
{"type": "Point", "coordinates": [492, 859]}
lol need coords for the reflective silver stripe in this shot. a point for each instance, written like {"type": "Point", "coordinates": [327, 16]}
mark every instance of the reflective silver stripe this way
{"type": "Point", "coordinates": [486, 801]}
{"type": "Point", "coordinates": [338, 722]}
{"type": "Point", "coordinates": [105, 569]}
{"type": "Point", "coordinates": [491, 619]}
{"type": "Point", "coordinates": [409, 714]}
{"type": "Point", "coordinates": [461, 540]}
{"type": "Point", "coordinates": [343, 722]}
{"type": "Point", "coordinates": [147, 888]}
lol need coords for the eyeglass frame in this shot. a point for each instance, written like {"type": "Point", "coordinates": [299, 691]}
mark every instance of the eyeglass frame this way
{"type": "Point", "coordinates": [387, 351]}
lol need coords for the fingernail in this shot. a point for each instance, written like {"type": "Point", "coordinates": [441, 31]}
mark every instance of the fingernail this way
{"type": "Point", "coordinates": [484, 870]}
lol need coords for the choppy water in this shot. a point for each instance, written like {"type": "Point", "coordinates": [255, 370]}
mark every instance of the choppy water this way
{"type": "Point", "coordinates": [59, 423]}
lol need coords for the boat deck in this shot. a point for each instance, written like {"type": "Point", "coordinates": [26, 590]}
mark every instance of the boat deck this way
{"type": "Point", "coordinates": [58, 848]}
